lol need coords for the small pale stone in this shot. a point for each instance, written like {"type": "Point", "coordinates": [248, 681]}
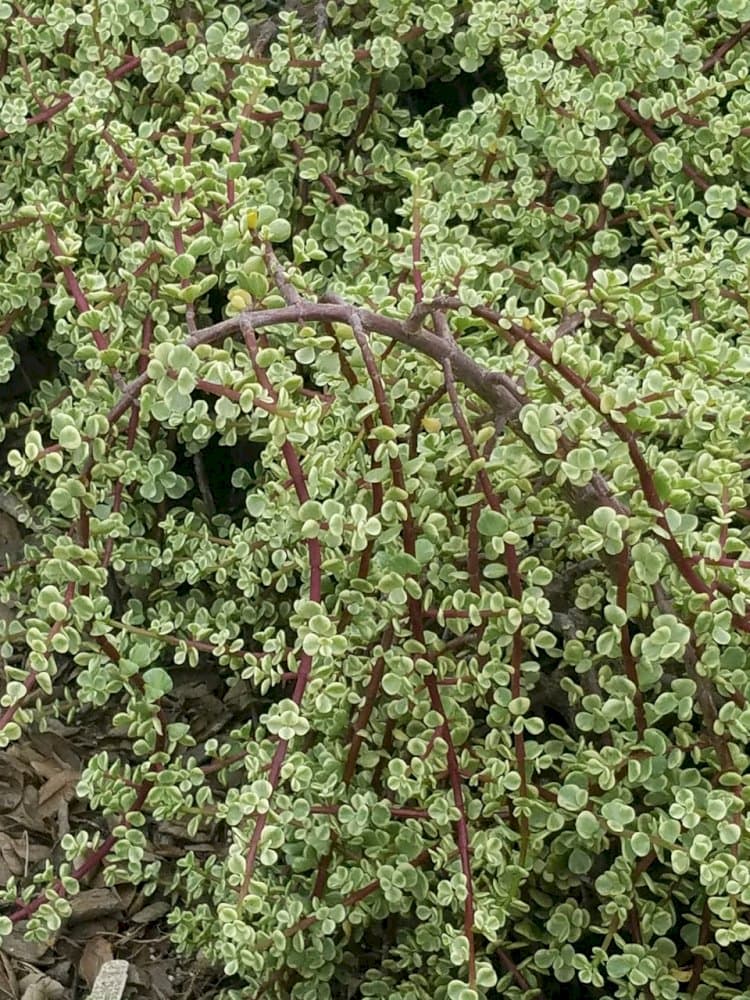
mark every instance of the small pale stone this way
{"type": "Point", "coordinates": [110, 983]}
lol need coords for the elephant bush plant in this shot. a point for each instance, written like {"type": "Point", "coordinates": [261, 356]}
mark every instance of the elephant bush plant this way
{"type": "Point", "coordinates": [401, 386]}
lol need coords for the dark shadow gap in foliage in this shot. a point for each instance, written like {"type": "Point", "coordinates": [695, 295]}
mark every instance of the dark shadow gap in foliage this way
{"type": "Point", "coordinates": [449, 97]}
{"type": "Point", "coordinates": [219, 463]}
{"type": "Point", "coordinates": [35, 362]}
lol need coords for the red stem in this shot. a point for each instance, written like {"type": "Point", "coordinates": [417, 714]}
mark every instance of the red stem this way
{"type": "Point", "coordinates": [647, 126]}
{"type": "Point", "coordinates": [305, 664]}
{"type": "Point", "coordinates": [91, 863]}
{"type": "Point", "coordinates": [680, 560]}
{"type": "Point", "coordinates": [146, 336]}
{"type": "Point", "coordinates": [628, 659]}
{"type": "Point", "coordinates": [723, 47]}
{"type": "Point", "coordinates": [514, 579]}
{"type": "Point", "coordinates": [125, 67]}
{"type": "Point", "coordinates": [73, 287]}
{"type": "Point", "coordinates": [415, 615]}
{"type": "Point", "coordinates": [30, 681]}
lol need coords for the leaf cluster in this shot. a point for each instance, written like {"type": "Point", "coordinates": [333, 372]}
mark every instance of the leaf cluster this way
{"type": "Point", "coordinates": [401, 383]}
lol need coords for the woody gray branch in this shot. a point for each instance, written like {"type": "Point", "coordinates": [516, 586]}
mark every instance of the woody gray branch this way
{"type": "Point", "coordinates": [472, 375]}
{"type": "Point", "coordinates": [494, 388]}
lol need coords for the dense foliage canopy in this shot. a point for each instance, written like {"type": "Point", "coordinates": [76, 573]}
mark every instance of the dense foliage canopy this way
{"type": "Point", "coordinates": [399, 385]}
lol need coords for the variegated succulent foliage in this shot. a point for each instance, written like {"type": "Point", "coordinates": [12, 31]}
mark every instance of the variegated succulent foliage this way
{"type": "Point", "coordinates": [401, 387]}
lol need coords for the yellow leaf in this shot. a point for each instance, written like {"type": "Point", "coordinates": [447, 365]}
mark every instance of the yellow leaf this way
{"type": "Point", "coordinates": [239, 299]}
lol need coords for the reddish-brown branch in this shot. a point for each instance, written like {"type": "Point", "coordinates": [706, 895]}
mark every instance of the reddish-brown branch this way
{"type": "Point", "coordinates": [357, 733]}
{"type": "Point", "coordinates": [315, 593]}
{"type": "Point", "coordinates": [398, 812]}
{"type": "Point", "coordinates": [415, 615]}
{"type": "Point", "coordinates": [215, 389]}
{"type": "Point", "coordinates": [627, 654]}
{"type": "Point", "coordinates": [376, 489]}
{"type": "Point", "coordinates": [120, 291]}
{"type": "Point", "coordinates": [147, 332]}
{"type": "Point", "coordinates": [125, 67]}
{"type": "Point", "coordinates": [88, 866]}
{"type": "Point", "coordinates": [723, 561]}
{"type": "Point", "coordinates": [680, 560]}
{"type": "Point", "coordinates": [234, 155]}
{"type": "Point", "coordinates": [325, 179]}
{"type": "Point", "coordinates": [29, 683]}
{"type": "Point", "coordinates": [73, 287]}
{"type": "Point", "coordinates": [352, 899]}
{"type": "Point", "coordinates": [725, 46]}
{"type": "Point", "coordinates": [704, 936]}
{"type": "Point", "coordinates": [514, 577]}
{"type": "Point", "coordinates": [92, 862]}
{"type": "Point", "coordinates": [220, 763]}
{"type": "Point", "coordinates": [176, 640]}
{"type": "Point", "coordinates": [462, 825]}
{"type": "Point", "coordinates": [704, 689]}
{"type": "Point", "coordinates": [130, 166]}
{"type": "Point", "coordinates": [513, 969]}
{"type": "Point", "coordinates": [647, 127]}
{"type": "Point", "coordinates": [364, 119]}
{"type": "Point", "coordinates": [31, 680]}
{"type": "Point", "coordinates": [6, 227]}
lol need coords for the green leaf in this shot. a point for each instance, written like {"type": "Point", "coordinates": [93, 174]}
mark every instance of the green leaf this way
{"type": "Point", "coordinates": [157, 681]}
{"type": "Point", "coordinates": [279, 231]}
{"type": "Point", "coordinates": [69, 438]}
{"type": "Point", "coordinates": [617, 814]}
{"type": "Point", "coordinates": [404, 564]}
{"type": "Point", "coordinates": [491, 522]}
{"type": "Point", "coordinates": [587, 825]}
{"type": "Point", "coordinates": [184, 265]}
{"type": "Point", "coordinates": [572, 797]}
